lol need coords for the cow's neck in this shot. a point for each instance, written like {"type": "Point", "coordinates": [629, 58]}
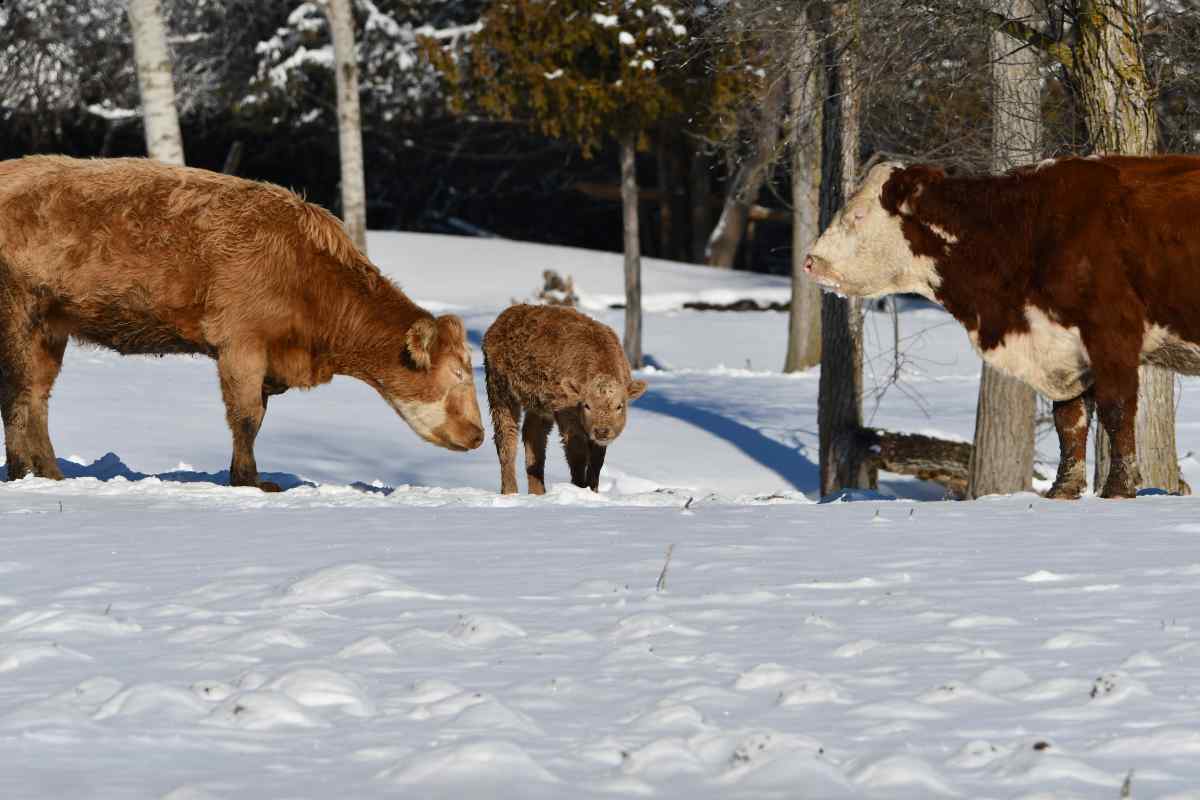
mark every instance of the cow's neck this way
{"type": "Point", "coordinates": [368, 330]}
{"type": "Point", "coordinates": [973, 229]}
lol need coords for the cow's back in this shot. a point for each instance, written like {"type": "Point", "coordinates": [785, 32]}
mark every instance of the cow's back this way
{"type": "Point", "coordinates": [146, 257]}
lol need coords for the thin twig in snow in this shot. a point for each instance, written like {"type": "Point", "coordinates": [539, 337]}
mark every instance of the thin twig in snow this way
{"type": "Point", "coordinates": [662, 576]}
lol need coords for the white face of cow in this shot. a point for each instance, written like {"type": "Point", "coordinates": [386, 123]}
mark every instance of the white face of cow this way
{"type": "Point", "coordinates": [863, 252]}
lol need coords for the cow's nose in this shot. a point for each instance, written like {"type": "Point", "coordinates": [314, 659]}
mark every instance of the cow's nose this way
{"type": "Point", "coordinates": [602, 433]}
{"type": "Point", "coordinates": [476, 438]}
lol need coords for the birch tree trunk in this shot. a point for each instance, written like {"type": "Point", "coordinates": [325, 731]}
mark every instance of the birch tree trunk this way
{"type": "Point", "coordinates": [1002, 456]}
{"type": "Point", "coordinates": [1118, 105]}
{"type": "Point", "coordinates": [746, 183]}
{"type": "Point", "coordinates": [633, 259]}
{"type": "Point", "coordinates": [155, 83]}
{"type": "Point", "coordinates": [804, 86]}
{"type": "Point", "coordinates": [839, 405]}
{"type": "Point", "coordinates": [345, 60]}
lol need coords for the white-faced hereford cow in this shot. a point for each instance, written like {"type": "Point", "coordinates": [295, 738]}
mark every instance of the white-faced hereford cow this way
{"type": "Point", "coordinates": [148, 258]}
{"type": "Point", "coordinates": [1067, 275]}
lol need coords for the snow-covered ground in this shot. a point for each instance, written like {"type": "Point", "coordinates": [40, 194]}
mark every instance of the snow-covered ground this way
{"type": "Point", "coordinates": [184, 640]}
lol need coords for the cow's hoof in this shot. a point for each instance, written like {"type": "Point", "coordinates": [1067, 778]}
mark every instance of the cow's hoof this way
{"type": "Point", "coordinates": [269, 486]}
{"type": "Point", "coordinates": [1068, 491]}
{"type": "Point", "coordinates": [1118, 491]}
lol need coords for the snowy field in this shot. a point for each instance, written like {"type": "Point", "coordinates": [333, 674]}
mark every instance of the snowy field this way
{"type": "Point", "coordinates": [167, 639]}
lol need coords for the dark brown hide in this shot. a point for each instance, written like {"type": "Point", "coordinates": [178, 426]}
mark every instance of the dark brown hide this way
{"type": "Point", "coordinates": [1105, 247]}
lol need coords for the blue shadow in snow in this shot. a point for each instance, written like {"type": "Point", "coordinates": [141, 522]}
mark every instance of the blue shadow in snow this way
{"type": "Point", "coordinates": [110, 466]}
{"type": "Point", "coordinates": [800, 473]}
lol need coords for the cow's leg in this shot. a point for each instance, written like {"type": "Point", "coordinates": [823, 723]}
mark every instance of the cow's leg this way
{"type": "Point", "coordinates": [575, 445]}
{"type": "Point", "coordinates": [242, 370]}
{"type": "Point", "coordinates": [595, 463]}
{"type": "Point", "coordinates": [1071, 420]}
{"type": "Point", "coordinates": [48, 350]}
{"type": "Point", "coordinates": [30, 358]}
{"type": "Point", "coordinates": [535, 432]}
{"type": "Point", "coordinates": [1116, 407]}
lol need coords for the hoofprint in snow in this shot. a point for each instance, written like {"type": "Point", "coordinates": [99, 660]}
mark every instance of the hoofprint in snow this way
{"type": "Point", "coordinates": [184, 640]}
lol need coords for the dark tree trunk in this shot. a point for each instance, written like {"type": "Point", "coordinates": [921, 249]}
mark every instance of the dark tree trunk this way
{"type": "Point", "coordinates": [839, 404]}
{"type": "Point", "coordinates": [633, 259]}
{"type": "Point", "coordinates": [698, 196]}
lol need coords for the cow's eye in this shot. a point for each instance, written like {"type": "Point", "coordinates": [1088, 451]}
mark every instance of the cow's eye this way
{"type": "Point", "coordinates": [458, 373]}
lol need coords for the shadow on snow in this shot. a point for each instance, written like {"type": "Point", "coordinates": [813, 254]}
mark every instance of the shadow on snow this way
{"type": "Point", "coordinates": [110, 466]}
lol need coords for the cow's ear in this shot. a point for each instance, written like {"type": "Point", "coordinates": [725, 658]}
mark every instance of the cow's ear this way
{"type": "Point", "coordinates": [420, 341]}
{"type": "Point", "coordinates": [905, 186]}
{"type": "Point", "coordinates": [635, 389]}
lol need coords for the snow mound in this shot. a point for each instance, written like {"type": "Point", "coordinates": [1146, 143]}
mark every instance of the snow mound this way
{"type": "Point", "coordinates": [346, 582]}
{"type": "Point", "coordinates": [480, 763]}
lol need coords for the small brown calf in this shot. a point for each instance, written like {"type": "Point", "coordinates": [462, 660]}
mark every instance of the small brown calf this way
{"type": "Point", "coordinates": [557, 366]}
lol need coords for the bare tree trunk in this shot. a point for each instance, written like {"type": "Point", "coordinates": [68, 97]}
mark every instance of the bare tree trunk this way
{"type": "Point", "coordinates": [633, 259]}
{"type": "Point", "coordinates": [164, 142]}
{"type": "Point", "coordinates": [1118, 104]}
{"type": "Point", "coordinates": [1002, 458]}
{"type": "Point", "coordinates": [839, 406]}
{"type": "Point", "coordinates": [354, 196]}
{"type": "Point", "coordinates": [746, 183]}
{"type": "Point", "coordinates": [804, 84]}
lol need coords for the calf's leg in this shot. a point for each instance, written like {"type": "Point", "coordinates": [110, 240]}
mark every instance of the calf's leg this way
{"type": "Point", "coordinates": [242, 371]}
{"type": "Point", "coordinates": [595, 462]}
{"type": "Point", "coordinates": [575, 445]}
{"type": "Point", "coordinates": [505, 417]}
{"type": "Point", "coordinates": [1071, 420]}
{"type": "Point", "coordinates": [535, 432]}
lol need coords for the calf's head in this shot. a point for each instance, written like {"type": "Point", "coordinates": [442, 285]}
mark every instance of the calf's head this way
{"type": "Point", "coordinates": [864, 252]}
{"type": "Point", "coordinates": [602, 403]}
{"type": "Point", "coordinates": [431, 384]}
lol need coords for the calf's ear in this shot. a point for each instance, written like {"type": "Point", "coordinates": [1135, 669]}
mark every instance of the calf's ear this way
{"type": "Point", "coordinates": [635, 389]}
{"type": "Point", "coordinates": [420, 341]}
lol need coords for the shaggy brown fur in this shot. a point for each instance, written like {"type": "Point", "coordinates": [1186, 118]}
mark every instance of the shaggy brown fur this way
{"type": "Point", "coordinates": [558, 366]}
{"type": "Point", "coordinates": [143, 257]}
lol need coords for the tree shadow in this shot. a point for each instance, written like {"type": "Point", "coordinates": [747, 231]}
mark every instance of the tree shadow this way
{"type": "Point", "coordinates": [787, 462]}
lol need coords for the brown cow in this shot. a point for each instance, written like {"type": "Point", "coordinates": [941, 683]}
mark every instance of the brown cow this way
{"type": "Point", "coordinates": [1067, 274]}
{"type": "Point", "coordinates": [143, 257]}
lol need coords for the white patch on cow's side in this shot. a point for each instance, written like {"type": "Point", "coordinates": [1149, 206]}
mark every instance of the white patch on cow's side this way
{"type": "Point", "coordinates": [423, 418]}
{"type": "Point", "coordinates": [1045, 162]}
{"type": "Point", "coordinates": [1050, 357]}
{"type": "Point", "coordinates": [863, 252]}
{"type": "Point", "coordinates": [943, 234]}
{"type": "Point", "coordinates": [1163, 348]}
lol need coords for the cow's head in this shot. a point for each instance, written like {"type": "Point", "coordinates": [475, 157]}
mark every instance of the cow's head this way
{"type": "Point", "coordinates": [602, 403]}
{"type": "Point", "coordinates": [431, 384]}
{"type": "Point", "coordinates": [864, 251]}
